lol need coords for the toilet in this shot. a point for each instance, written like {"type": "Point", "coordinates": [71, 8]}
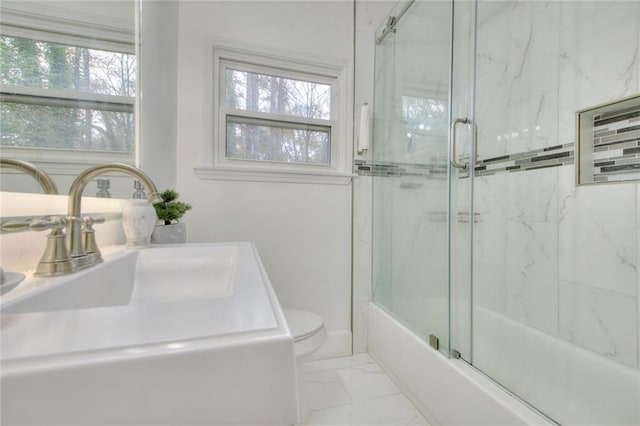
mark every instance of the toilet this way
{"type": "Point", "coordinates": [309, 334]}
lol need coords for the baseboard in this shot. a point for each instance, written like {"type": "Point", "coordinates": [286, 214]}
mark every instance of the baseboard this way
{"type": "Point", "coordinates": [338, 344]}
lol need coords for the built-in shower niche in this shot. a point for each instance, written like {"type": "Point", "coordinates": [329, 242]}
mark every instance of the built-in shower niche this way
{"type": "Point", "coordinates": [608, 142]}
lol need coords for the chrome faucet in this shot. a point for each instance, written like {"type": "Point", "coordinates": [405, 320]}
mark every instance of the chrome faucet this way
{"type": "Point", "coordinates": [74, 220]}
{"type": "Point", "coordinates": [41, 177]}
{"type": "Point", "coordinates": [48, 187]}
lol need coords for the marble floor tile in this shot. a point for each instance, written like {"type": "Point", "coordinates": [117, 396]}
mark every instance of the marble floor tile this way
{"type": "Point", "coordinates": [366, 382]}
{"type": "Point", "coordinates": [391, 410]}
{"type": "Point", "coordinates": [354, 391]}
{"type": "Point", "coordinates": [324, 389]}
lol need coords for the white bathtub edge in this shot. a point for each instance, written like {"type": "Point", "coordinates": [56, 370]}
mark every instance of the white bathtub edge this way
{"type": "Point", "coordinates": [445, 391]}
{"type": "Point", "coordinates": [501, 396]}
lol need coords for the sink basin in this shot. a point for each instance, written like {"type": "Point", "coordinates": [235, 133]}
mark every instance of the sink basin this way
{"type": "Point", "coordinates": [185, 334]}
{"type": "Point", "coordinates": [156, 275]}
{"type": "Point", "coordinates": [202, 272]}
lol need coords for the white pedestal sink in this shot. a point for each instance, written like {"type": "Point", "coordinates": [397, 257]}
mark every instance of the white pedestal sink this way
{"type": "Point", "coordinates": [186, 334]}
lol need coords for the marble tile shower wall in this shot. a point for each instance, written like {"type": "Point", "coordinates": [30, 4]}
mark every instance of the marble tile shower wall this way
{"type": "Point", "coordinates": [559, 258]}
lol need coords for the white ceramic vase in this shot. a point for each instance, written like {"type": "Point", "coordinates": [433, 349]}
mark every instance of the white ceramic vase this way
{"type": "Point", "coordinates": [138, 220]}
{"type": "Point", "coordinates": [175, 233]}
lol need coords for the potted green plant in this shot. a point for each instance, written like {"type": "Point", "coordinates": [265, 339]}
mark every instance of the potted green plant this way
{"type": "Point", "coordinates": [169, 229]}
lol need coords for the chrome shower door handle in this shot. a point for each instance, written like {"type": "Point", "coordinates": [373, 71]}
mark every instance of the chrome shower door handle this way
{"type": "Point", "coordinates": [454, 162]}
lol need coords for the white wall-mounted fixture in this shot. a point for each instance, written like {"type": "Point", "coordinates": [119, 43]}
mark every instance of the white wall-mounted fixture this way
{"type": "Point", "coordinates": [364, 133]}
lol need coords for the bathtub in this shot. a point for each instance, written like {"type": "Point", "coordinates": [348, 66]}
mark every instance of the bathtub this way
{"type": "Point", "coordinates": [570, 384]}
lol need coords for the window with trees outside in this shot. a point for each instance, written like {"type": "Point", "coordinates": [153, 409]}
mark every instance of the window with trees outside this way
{"type": "Point", "coordinates": [270, 117]}
{"type": "Point", "coordinates": [275, 114]}
{"type": "Point", "coordinates": [63, 97]}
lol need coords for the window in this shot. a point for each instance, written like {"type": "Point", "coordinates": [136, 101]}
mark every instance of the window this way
{"type": "Point", "coordinates": [63, 97]}
{"type": "Point", "coordinates": [273, 118]}
{"type": "Point", "coordinates": [274, 114]}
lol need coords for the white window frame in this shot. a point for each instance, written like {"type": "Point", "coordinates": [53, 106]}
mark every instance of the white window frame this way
{"type": "Point", "coordinates": [56, 23]}
{"type": "Point", "coordinates": [215, 163]}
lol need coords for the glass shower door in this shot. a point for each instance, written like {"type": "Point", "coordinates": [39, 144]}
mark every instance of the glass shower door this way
{"type": "Point", "coordinates": [504, 262]}
{"type": "Point", "coordinates": [411, 184]}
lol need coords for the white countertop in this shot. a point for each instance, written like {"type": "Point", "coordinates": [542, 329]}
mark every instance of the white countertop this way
{"type": "Point", "coordinates": [251, 312]}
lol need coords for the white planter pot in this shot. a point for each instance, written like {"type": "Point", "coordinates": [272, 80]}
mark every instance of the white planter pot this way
{"type": "Point", "coordinates": [175, 233]}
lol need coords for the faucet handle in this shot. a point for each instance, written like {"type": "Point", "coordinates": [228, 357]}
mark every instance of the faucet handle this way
{"type": "Point", "coordinates": [89, 238]}
{"type": "Point", "coordinates": [89, 221]}
{"type": "Point", "coordinates": [15, 225]}
{"type": "Point", "coordinates": [52, 223]}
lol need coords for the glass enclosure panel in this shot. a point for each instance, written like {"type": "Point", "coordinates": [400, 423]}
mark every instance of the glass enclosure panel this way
{"type": "Point", "coordinates": [383, 120]}
{"type": "Point", "coordinates": [533, 280]}
{"type": "Point", "coordinates": [410, 183]}
{"type": "Point", "coordinates": [555, 280]}
{"type": "Point", "coordinates": [462, 181]}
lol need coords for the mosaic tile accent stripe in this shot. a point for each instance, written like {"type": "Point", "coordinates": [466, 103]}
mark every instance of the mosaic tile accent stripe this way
{"type": "Point", "coordinates": [437, 168]}
{"type": "Point", "coordinates": [616, 145]}
{"type": "Point", "coordinates": [554, 156]}
{"type": "Point", "coordinates": [614, 151]}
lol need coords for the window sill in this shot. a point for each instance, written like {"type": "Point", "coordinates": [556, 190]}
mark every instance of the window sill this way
{"type": "Point", "coordinates": [257, 175]}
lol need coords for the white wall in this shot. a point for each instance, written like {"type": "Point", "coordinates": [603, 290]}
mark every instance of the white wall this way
{"type": "Point", "coordinates": [302, 231]}
{"type": "Point", "coordinates": [158, 62]}
{"type": "Point", "coordinates": [122, 10]}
